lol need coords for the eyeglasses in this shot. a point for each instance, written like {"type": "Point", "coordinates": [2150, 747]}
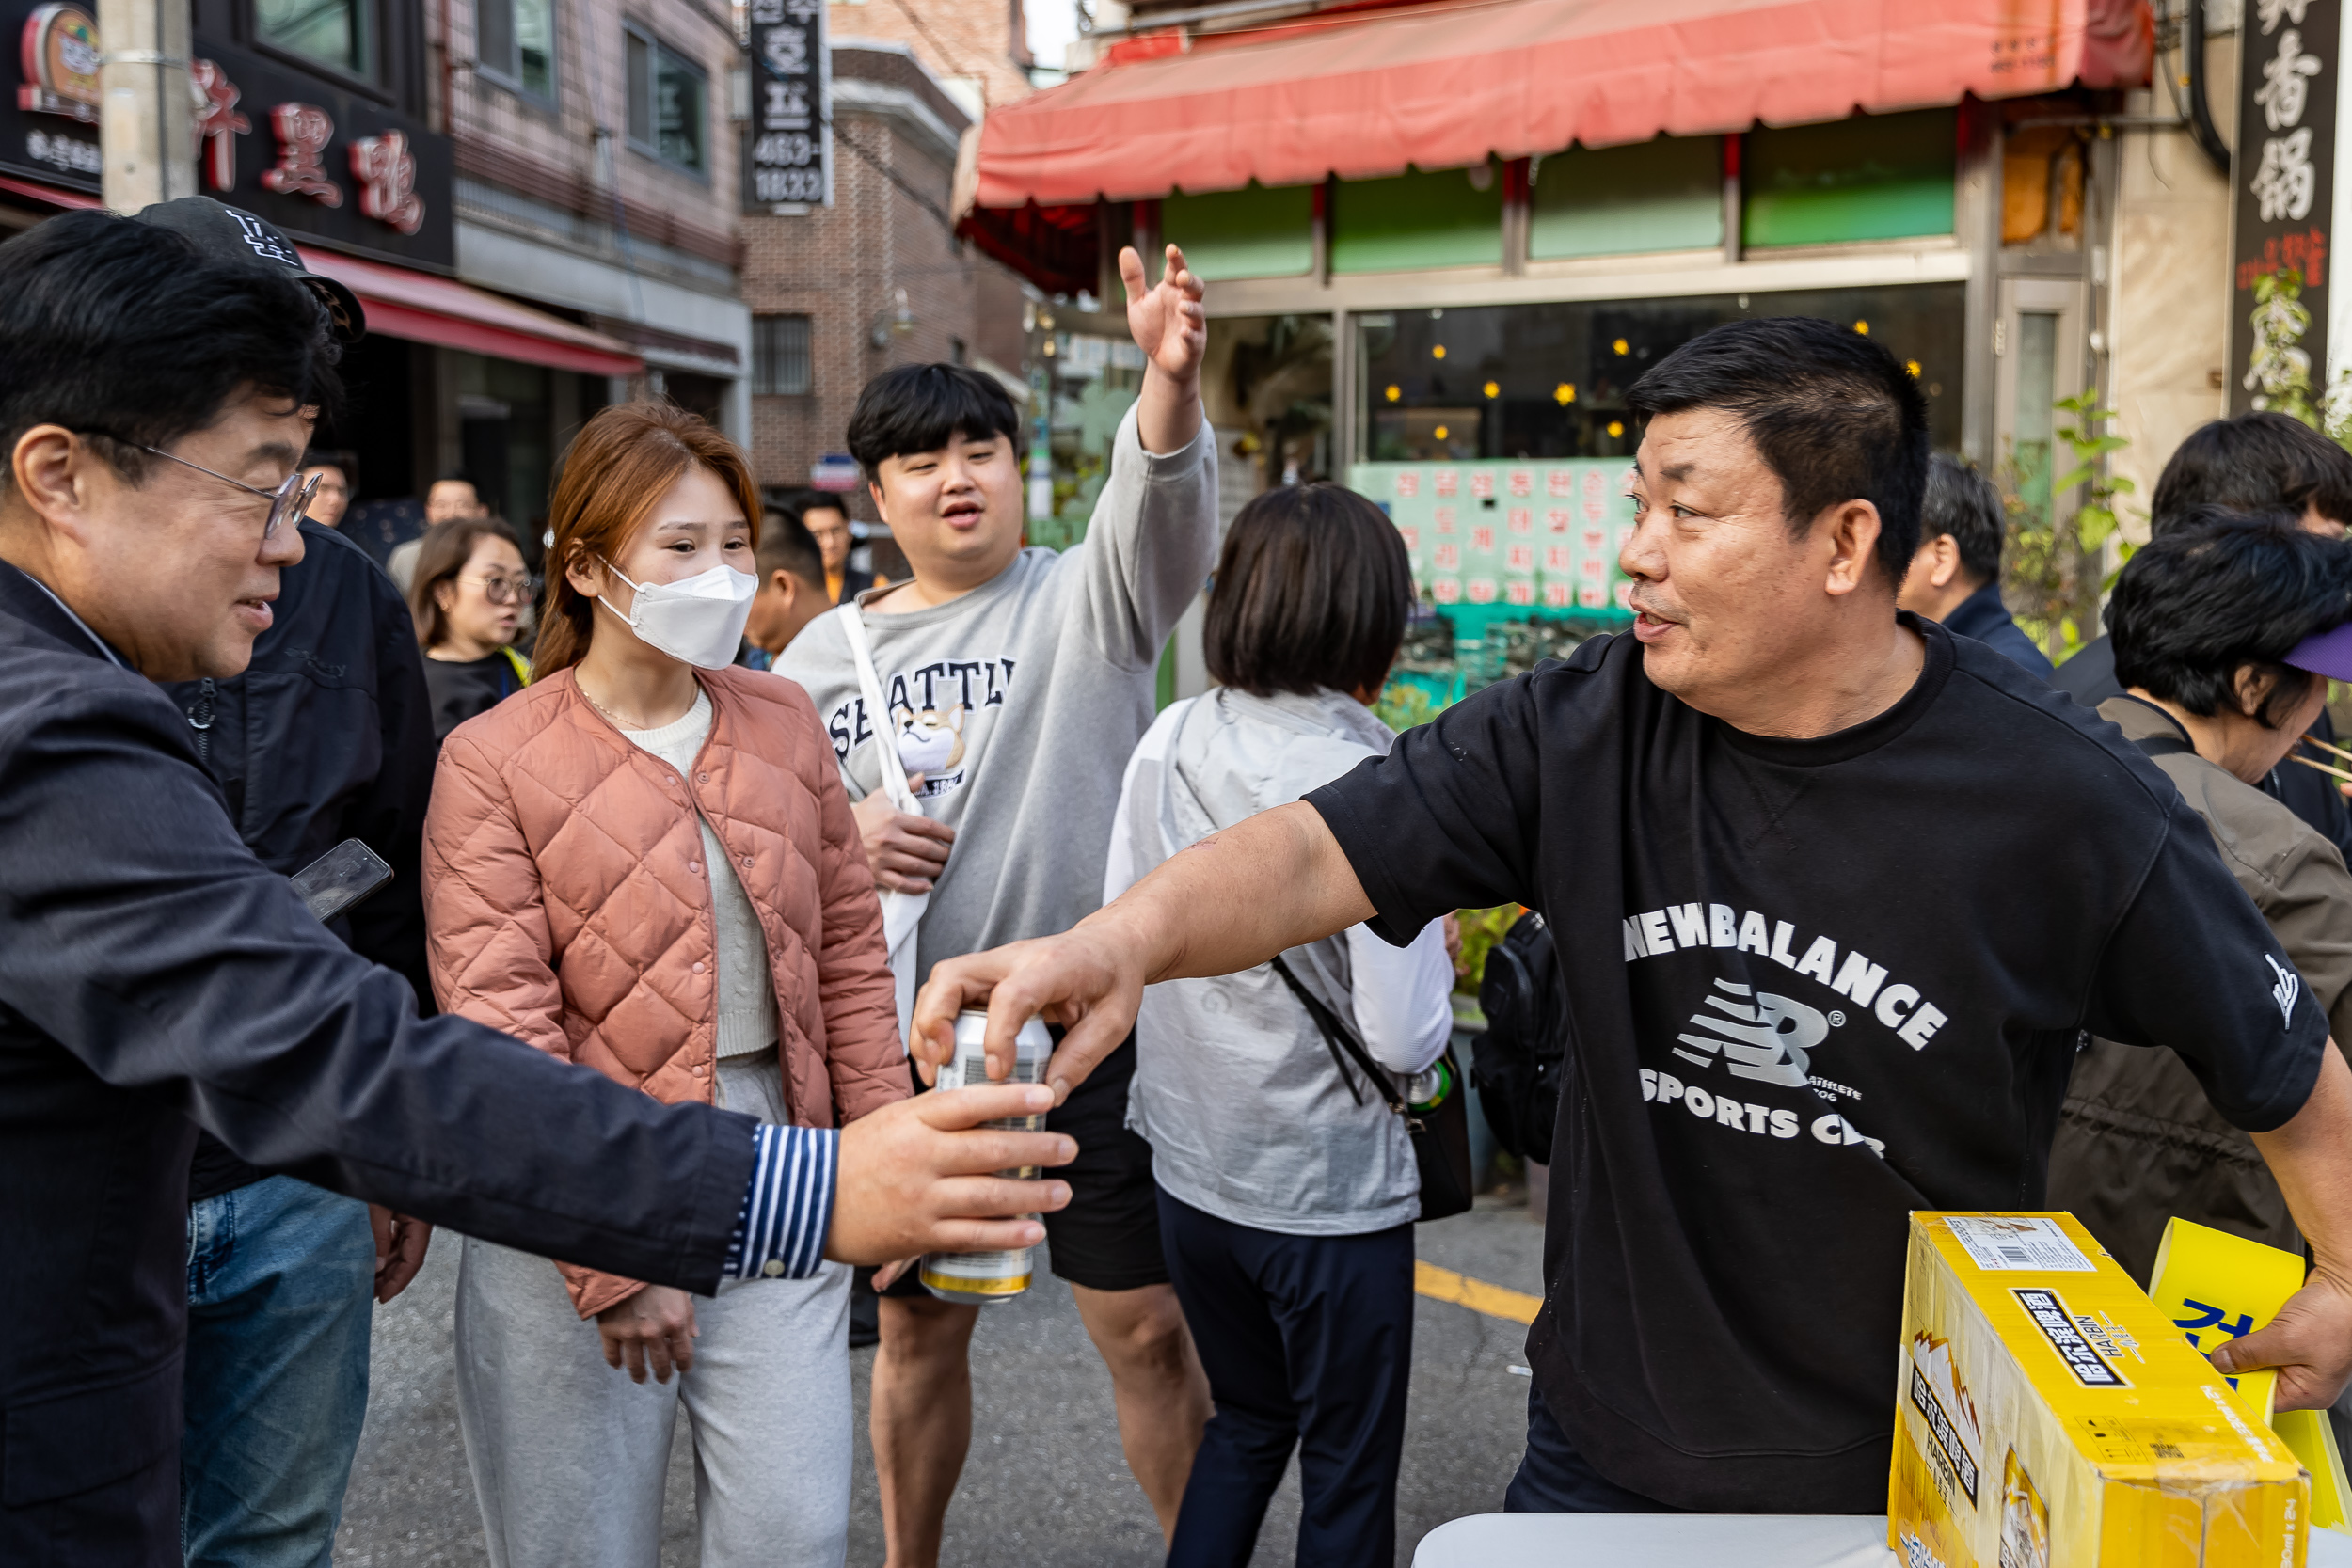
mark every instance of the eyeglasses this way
{"type": "Point", "coordinates": [287, 501]}
{"type": "Point", "coordinates": [503, 590]}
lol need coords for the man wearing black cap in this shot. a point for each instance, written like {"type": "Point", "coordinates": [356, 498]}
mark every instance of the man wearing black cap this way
{"type": "Point", "coordinates": [156, 392]}
{"type": "Point", "coordinates": [328, 736]}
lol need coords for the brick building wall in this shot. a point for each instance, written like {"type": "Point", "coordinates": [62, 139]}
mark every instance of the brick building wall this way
{"type": "Point", "coordinates": [978, 48]}
{"type": "Point", "coordinates": [895, 129]}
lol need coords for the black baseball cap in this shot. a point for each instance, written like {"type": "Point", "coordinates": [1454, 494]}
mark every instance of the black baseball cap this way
{"type": "Point", "coordinates": [233, 235]}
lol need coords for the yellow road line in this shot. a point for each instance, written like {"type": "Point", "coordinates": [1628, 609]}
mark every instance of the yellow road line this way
{"type": "Point", "coordinates": [1445, 1285]}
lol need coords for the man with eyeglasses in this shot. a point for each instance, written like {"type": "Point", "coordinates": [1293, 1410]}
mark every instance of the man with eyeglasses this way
{"type": "Point", "coordinates": [327, 736]}
{"type": "Point", "coordinates": [157, 383]}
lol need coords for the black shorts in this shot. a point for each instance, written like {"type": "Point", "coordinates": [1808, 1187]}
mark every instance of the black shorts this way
{"type": "Point", "coordinates": [1109, 1237]}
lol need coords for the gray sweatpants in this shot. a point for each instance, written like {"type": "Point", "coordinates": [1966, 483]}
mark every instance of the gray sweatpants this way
{"type": "Point", "coordinates": [569, 1456]}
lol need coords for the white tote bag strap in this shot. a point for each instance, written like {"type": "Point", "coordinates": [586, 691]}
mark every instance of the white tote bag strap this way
{"type": "Point", "coordinates": [902, 913]}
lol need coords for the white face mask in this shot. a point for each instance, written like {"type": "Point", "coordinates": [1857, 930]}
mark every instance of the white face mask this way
{"type": "Point", "coordinates": [699, 619]}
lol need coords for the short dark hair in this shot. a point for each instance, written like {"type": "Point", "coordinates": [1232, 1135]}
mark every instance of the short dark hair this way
{"type": "Point", "coordinates": [2222, 590]}
{"type": "Point", "coordinates": [443, 554]}
{"type": "Point", "coordinates": [923, 408]}
{"type": "Point", "coordinates": [2251, 463]}
{"type": "Point", "coordinates": [458, 475]}
{"type": "Point", "coordinates": [1831, 412]}
{"type": "Point", "coordinates": [1962, 502]}
{"type": "Point", "coordinates": [345, 463]}
{"type": "Point", "coordinates": [1311, 591]}
{"type": "Point", "coordinates": [801, 502]}
{"type": "Point", "coordinates": [127, 334]}
{"type": "Point", "coordinates": [786, 546]}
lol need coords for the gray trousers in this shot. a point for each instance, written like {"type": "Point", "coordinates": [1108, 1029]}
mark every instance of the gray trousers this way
{"type": "Point", "coordinates": [569, 1456]}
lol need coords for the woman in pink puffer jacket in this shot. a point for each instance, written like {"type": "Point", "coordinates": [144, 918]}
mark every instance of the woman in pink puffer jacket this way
{"type": "Point", "coordinates": [645, 864]}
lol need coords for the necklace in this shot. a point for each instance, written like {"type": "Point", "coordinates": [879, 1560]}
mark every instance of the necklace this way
{"type": "Point", "coordinates": [609, 714]}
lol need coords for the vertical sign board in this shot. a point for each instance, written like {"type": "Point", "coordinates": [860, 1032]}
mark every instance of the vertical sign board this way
{"type": "Point", "coordinates": [2284, 205]}
{"type": "Point", "coordinates": [791, 134]}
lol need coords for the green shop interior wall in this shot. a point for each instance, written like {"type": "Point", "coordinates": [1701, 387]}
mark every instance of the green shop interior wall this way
{"type": "Point", "coordinates": [1254, 232]}
{"type": "Point", "coordinates": [1417, 220]}
{"type": "Point", "coordinates": [1882, 177]}
{"type": "Point", "coordinates": [1663, 195]}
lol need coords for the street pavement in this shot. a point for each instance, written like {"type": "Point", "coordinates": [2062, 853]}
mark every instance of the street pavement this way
{"type": "Point", "coordinates": [1046, 1486]}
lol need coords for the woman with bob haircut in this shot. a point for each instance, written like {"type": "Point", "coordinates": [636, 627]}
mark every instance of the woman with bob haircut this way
{"type": "Point", "coordinates": [468, 602]}
{"type": "Point", "coordinates": [645, 862]}
{"type": "Point", "coordinates": [1287, 1190]}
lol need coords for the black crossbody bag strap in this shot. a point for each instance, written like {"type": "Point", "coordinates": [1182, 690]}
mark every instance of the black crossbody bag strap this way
{"type": "Point", "coordinates": [1339, 1037]}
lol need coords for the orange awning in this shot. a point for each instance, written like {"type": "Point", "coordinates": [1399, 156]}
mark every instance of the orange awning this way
{"type": "Point", "coordinates": [1361, 95]}
{"type": "Point", "coordinates": [425, 308]}
{"type": "Point", "coordinates": [428, 309]}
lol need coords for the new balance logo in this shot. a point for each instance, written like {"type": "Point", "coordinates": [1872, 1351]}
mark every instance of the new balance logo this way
{"type": "Point", "coordinates": [1762, 1037]}
{"type": "Point", "coordinates": [2290, 985]}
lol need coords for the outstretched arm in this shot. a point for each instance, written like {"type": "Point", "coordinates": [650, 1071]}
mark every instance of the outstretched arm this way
{"type": "Point", "coordinates": [2310, 1342]}
{"type": "Point", "coordinates": [1234, 899]}
{"type": "Point", "coordinates": [1172, 327]}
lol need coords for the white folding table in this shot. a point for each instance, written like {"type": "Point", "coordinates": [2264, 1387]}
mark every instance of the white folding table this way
{"type": "Point", "coordinates": [1695, 1541]}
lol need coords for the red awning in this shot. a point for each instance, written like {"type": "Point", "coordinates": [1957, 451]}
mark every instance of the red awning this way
{"type": "Point", "coordinates": [428, 309]}
{"type": "Point", "coordinates": [1364, 95]}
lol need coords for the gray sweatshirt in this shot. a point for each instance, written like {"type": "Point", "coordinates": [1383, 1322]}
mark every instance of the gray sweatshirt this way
{"type": "Point", "coordinates": [1020, 701]}
{"type": "Point", "coordinates": [1235, 1090]}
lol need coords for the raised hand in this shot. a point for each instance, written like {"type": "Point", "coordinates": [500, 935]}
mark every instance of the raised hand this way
{"type": "Point", "coordinates": [1168, 321]}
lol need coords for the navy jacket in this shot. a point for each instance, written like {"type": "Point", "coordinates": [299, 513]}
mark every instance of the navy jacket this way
{"type": "Point", "coordinates": [1984, 617]}
{"type": "Point", "coordinates": [328, 736]}
{"type": "Point", "coordinates": [156, 977]}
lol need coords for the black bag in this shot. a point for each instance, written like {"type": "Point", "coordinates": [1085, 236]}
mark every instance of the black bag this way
{"type": "Point", "coordinates": [1517, 1063]}
{"type": "Point", "coordinates": [1440, 1134]}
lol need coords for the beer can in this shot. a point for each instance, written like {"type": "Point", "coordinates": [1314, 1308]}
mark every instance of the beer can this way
{"type": "Point", "coordinates": [988, 1276]}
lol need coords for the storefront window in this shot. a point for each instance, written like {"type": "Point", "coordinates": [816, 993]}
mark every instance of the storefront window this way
{"type": "Point", "coordinates": [335, 33]}
{"type": "Point", "coordinates": [669, 99]}
{"type": "Point", "coordinates": [1089, 379]}
{"type": "Point", "coordinates": [1267, 390]}
{"type": "Point", "coordinates": [1498, 439]}
{"type": "Point", "coordinates": [1550, 380]}
{"type": "Point", "coordinates": [517, 42]}
{"type": "Point", "coordinates": [2037, 392]}
{"type": "Point", "coordinates": [506, 437]}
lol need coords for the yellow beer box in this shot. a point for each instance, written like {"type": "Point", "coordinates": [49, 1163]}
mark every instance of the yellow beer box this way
{"type": "Point", "coordinates": [2047, 1416]}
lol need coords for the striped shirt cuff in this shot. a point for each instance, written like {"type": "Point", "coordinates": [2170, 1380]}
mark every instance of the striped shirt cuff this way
{"type": "Point", "coordinates": [787, 1209]}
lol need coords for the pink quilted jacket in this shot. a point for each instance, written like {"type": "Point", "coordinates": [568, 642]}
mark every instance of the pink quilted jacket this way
{"type": "Point", "coordinates": [567, 905]}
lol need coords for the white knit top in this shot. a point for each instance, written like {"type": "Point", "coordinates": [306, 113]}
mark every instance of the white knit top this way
{"type": "Point", "coordinates": [747, 989]}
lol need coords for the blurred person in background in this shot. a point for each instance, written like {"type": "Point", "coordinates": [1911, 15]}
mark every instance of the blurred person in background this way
{"type": "Point", "coordinates": [646, 865]}
{"type": "Point", "coordinates": [471, 591]}
{"type": "Point", "coordinates": [2261, 462]}
{"type": "Point", "coordinates": [453, 498]}
{"type": "Point", "coordinates": [2225, 630]}
{"type": "Point", "coordinates": [1955, 575]}
{"type": "Point", "coordinates": [1287, 1189]}
{"type": "Point", "coordinates": [336, 474]}
{"type": "Point", "coordinates": [826, 518]}
{"type": "Point", "coordinates": [791, 588]}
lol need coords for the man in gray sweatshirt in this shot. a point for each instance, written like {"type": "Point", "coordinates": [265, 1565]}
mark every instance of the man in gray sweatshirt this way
{"type": "Point", "coordinates": [1015, 683]}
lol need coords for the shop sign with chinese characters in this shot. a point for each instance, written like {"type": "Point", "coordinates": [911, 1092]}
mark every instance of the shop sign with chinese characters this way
{"type": "Point", "coordinates": [2284, 203]}
{"type": "Point", "coordinates": [313, 158]}
{"type": "Point", "coordinates": [790, 161]}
